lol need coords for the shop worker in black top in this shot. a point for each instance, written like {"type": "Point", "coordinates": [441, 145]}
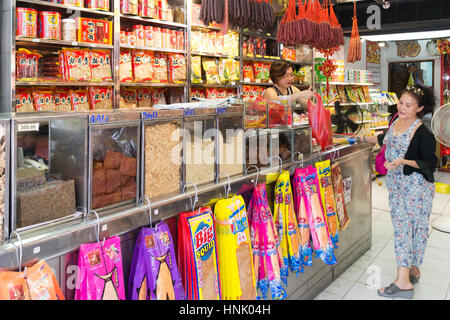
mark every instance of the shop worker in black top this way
{"type": "Point", "coordinates": [281, 73]}
{"type": "Point", "coordinates": [411, 162]}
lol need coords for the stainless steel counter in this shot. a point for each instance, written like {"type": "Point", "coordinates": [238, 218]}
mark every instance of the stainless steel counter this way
{"type": "Point", "coordinates": [59, 245]}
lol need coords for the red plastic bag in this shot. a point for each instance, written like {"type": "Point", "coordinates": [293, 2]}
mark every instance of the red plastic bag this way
{"type": "Point", "coordinates": [320, 122]}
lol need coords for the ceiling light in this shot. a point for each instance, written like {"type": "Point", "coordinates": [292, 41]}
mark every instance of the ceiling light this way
{"type": "Point", "coordinates": [409, 36]}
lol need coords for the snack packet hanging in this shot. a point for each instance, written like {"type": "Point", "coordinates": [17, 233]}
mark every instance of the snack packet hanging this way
{"type": "Point", "coordinates": [302, 220]}
{"type": "Point", "coordinates": [196, 69]}
{"type": "Point", "coordinates": [266, 247]}
{"type": "Point", "coordinates": [13, 286]}
{"type": "Point", "coordinates": [42, 283]}
{"type": "Point", "coordinates": [237, 277]}
{"type": "Point", "coordinates": [100, 275]}
{"type": "Point", "coordinates": [338, 188]}
{"type": "Point", "coordinates": [137, 279]}
{"type": "Point", "coordinates": [328, 200]}
{"type": "Point", "coordinates": [286, 225]}
{"type": "Point", "coordinates": [323, 247]}
{"type": "Point", "coordinates": [203, 239]}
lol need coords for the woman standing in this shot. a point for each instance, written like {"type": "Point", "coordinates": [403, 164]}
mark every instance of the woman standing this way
{"type": "Point", "coordinates": [281, 73]}
{"type": "Point", "coordinates": [411, 162]}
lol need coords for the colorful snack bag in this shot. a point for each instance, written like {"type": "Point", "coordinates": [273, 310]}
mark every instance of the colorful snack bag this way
{"type": "Point", "coordinates": [248, 72]}
{"type": "Point", "coordinates": [100, 98]}
{"type": "Point", "coordinates": [197, 93]}
{"type": "Point", "coordinates": [328, 200]}
{"type": "Point", "coordinates": [177, 68]}
{"type": "Point", "coordinates": [24, 100]}
{"type": "Point", "coordinates": [302, 220]}
{"type": "Point", "coordinates": [125, 66]}
{"type": "Point", "coordinates": [237, 276]}
{"type": "Point", "coordinates": [63, 100]}
{"type": "Point", "coordinates": [27, 65]}
{"type": "Point", "coordinates": [100, 62]}
{"type": "Point", "coordinates": [144, 97]}
{"type": "Point", "coordinates": [158, 96]}
{"type": "Point", "coordinates": [43, 100]}
{"type": "Point", "coordinates": [267, 257]}
{"type": "Point", "coordinates": [100, 275]}
{"type": "Point", "coordinates": [196, 69]}
{"type": "Point", "coordinates": [258, 71]}
{"type": "Point", "coordinates": [128, 98]}
{"type": "Point", "coordinates": [159, 67]}
{"type": "Point", "coordinates": [13, 286]}
{"type": "Point", "coordinates": [323, 247]}
{"type": "Point", "coordinates": [338, 188]}
{"type": "Point", "coordinates": [77, 64]}
{"type": "Point", "coordinates": [223, 72]}
{"type": "Point", "coordinates": [80, 100]}
{"type": "Point", "coordinates": [286, 225]}
{"type": "Point", "coordinates": [142, 66]}
{"type": "Point", "coordinates": [203, 237]}
{"type": "Point", "coordinates": [42, 283]}
{"type": "Point", "coordinates": [211, 93]}
{"type": "Point", "coordinates": [137, 279]}
{"type": "Point", "coordinates": [212, 74]}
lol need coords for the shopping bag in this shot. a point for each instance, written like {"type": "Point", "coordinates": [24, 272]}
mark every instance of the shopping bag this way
{"type": "Point", "coordinates": [380, 158]}
{"type": "Point", "coordinates": [100, 273]}
{"type": "Point", "coordinates": [302, 220]}
{"type": "Point", "coordinates": [338, 188]}
{"type": "Point", "coordinates": [237, 277]}
{"type": "Point", "coordinates": [266, 247]}
{"type": "Point", "coordinates": [328, 200]}
{"type": "Point", "coordinates": [320, 122]}
{"type": "Point", "coordinates": [322, 245]}
{"type": "Point", "coordinates": [286, 224]}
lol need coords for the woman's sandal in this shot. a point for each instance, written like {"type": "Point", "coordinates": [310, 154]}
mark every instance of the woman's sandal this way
{"type": "Point", "coordinates": [395, 292]}
{"type": "Point", "coordinates": [413, 279]}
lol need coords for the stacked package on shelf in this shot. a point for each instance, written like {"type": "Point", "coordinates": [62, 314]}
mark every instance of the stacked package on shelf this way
{"type": "Point", "coordinates": [339, 74]}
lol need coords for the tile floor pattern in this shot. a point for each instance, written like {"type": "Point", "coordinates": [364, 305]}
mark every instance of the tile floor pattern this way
{"type": "Point", "coordinates": [359, 282]}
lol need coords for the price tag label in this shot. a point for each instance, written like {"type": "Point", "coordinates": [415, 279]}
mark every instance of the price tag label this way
{"type": "Point", "coordinates": [93, 45]}
{"type": "Point", "coordinates": [23, 127]}
{"type": "Point", "coordinates": [36, 250]}
{"type": "Point", "coordinates": [104, 227]}
{"type": "Point", "coordinates": [74, 43]}
{"type": "Point", "coordinates": [36, 40]}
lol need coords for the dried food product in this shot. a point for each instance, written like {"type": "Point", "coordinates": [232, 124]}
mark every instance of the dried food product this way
{"type": "Point", "coordinates": [177, 68]}
{"type": "Point", "coordinates": [62, 100]}
{"type": "Point", "coordinates": [142, 66]}
{"type": "Point", "coordinates": [231, 153]}
{"type": "Point", "coordinates": [196, 69]}
{"type": "Point", "coordinates": [100, 98]}
{"type": "Point", "coordinates": [129, 7]}
{"type": "Point", "coordinates": [211, 71]}
{"type": "Point", "coordinates": [112, 160]}
{"type": "Point", "coordinates": [76, 62]}
{"type": "Point", "coordinates": [27, 65]}
{"type": "Point", "coordinates": [200, 168]}
{"type": "Point", "coordinates": [49, 25]}
{"type": "Point", "coordinates": [94, 30]}
{"type": "Point", "coordinates": [158, 96]}
{"type": "Point", "coordinates": [125, 66]}
{"type": "Point", "coordinates": [159, 67]}
{"type": "Point", "coordinates": [43, 100]}
{"type": "Point", "coordinates": [24, 100]}
{"type": "Point", "coordinates": [80, 100]}
{"type": "Point", "coordinates": [100, 62]}
{"type": "Point", "coordinates": [26, 22]}
{"type": "Point", "coordinates": [162, 142]}
{"type": "Point", "coordinates": [248, 72]}
{"type": "Point", "coordinates": [46, 202]}
{"type": "Point", "coordinates": [128, 98]}
{"type": "Point", "coordinates": [143, 98]}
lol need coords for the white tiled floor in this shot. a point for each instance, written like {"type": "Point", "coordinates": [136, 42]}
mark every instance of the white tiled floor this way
{"type": "Point", "coordinates": [377, 267]}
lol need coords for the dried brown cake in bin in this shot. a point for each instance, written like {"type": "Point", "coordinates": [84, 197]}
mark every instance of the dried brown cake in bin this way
{"type": "Point", "coordinates": [99, 181]}
{"type": "Point", "coordinates": [128, 166]}
{"type": "Point", "coordinates": [113, 180]}
{"type": "Point", "coordinates": [112, 160]}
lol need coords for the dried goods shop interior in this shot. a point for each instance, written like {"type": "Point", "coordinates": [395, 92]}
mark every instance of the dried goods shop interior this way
{"type": "Point", "coordinates": [117, 118]}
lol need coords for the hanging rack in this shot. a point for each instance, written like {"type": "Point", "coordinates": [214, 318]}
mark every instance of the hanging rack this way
{"type": "Point", "coordinates": [149, 212]}
{"type": "Point", "coordinates": [299, 158]}
{"type": "Point", "coordinates": [98, 225]}
{"type": "Point", "coordinates": [280, 162]}
{"type": "Point", "coordinates": [190, 198]}
{"type": "Point", "coordinates": [257, 170]}
{"type": "Point", "coordinates": [19, 254]}
{"type": "Point", "coordinates": [228, 187]}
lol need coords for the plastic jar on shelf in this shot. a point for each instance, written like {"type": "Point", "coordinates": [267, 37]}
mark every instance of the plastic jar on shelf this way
{"type": "Point", "coordinates": [69, 30]}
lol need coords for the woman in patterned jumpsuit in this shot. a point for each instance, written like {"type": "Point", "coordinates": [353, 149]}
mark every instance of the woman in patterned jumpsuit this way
{"type": "Point", "coordinates": [411, 162]}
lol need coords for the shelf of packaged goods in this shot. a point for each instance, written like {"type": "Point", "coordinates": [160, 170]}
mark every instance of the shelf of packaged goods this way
{"type": "Point", "coordinates": [204, 85]}
{"type": "Point", "coordinates": [213, 55]}
{"type": "Point", "coordinates": [346, 83]}
{"type": "Point", "coordinates": [64, 84]}
{"type": "Point", "coordinates": [38, 41]}
{"type": "Point", "coordinates": [256, 83]}
{"type": "Point", "coordinates": [267, 35]}
{"type": "Point", "coordinates": [153, 84]}
{"type": "Point", "coordinates": [208, 28]}
{"type": "Point", "coordinates": [124, 46]}
{"type": "Point", "coordinates": [153, 21]}
{"type": "Point", "coordinates": [262, 58]}
{"type": "Point", "coordinates": [56, 6]}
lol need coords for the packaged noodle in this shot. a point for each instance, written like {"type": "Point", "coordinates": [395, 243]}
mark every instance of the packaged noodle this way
{"type": "Point", "coordinates": [159, 67]}
{"type": "Point", "coordinates": [100, 272]}
{"type": "Point", "coordinates": [302, 220]}
{"type": "Point", "coordinates": [100, 62]}
{"type": "Point", "coordinates": [177, 68]}
{"type": "Point", "coordinates": [43, 100]}
{"type": "Point", "coordinates": [237, 276]}
{"type": "Point", "coordinates": [338, 188]}
{"type": "Point", "coordinates": [248, 72]}
{"type": "Point", "coordinates": [125, 66]}
{"type": "Point", "coordinates": [154, 273]}
{"type": "Point", "coordinates": [24, 100]}
{"type": "Point", "coordinates": [212, 74]}
{"type": "Point", "coordinates": [286, 225]}
{"type": "Point", "coordinates": [80, 101]}
{"type": "Point", "coordinates": [142, 65]}
{"type": "Point", "coordinates": [196, 69]}
{"type": "Point", "coordinates": [267, 257]}
{"type": "Point", "coordinates": [328, 200]}
{"type": "Point", "coordinates": [323, 247]}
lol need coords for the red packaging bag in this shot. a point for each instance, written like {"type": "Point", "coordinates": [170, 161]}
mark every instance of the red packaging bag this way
{"type": "Point", "coordinates": [177, 68]}
{"type": "Point", "coordinates": [13, 286]}
{"type": "Point", "coordinates": [159, 67]}
{"type": "Point", "coordinates": [100, 98]}
{"type": "Point", "coordinates": [142, 66]}
{"type": "Point", "coordinates": [100, 62]}
{"type": "Point", "coordinates": [80, 100]}
{"type": "Point", "coordinates": [43, 100]}
{"type": "Point", "coordinates": [42, 283]}
{"type": "Point", "coordinates": [77, 64]}
{"type": "Point", "coordinates": [24, 100]}
{"type": "Point", "coordinates": [62, 100]}
{"type": "Point", "coordinates": [125, 66]}
{"type": "Point", "coordinates": [320, 122]}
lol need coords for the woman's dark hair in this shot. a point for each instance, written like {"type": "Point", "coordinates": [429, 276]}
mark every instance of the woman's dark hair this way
{"type": "Point", "coordinates": [278, 70]}
{"type": "Point", "coordinates": [424, 96]}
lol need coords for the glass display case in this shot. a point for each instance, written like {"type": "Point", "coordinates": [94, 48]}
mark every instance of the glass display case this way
{"type": "Point", "coordinates": [230, 136]}
{"type": "Point", "coordinates": [162, 152]}
{"type": "Point", "coordinates": [114, 142]}
{"type": "Point", "coordinates": [258, 147]}
{"type": "Point", "coordinates": [255, 114]}
{"type": "Point", "coordinates": [302, 141]}
{"type": "Point", "coordinates": [48, 168]}
{"type": "Point", "coordinates": [279, 114]}
{"type": "Point", "coordinates": [5, 131]}
{"type": "Point", "coordinates": [199, 145]}
{"type": "Point", "coordinates": [282, 144]}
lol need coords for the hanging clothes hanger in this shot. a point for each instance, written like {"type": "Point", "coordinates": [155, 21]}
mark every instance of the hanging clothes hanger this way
{"type": "Point", "coordinates": [98, 225]}
{"type": "Point", "coordinates": [226, 187]}
{"type": "Point", "coordinates": [257, 170]}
